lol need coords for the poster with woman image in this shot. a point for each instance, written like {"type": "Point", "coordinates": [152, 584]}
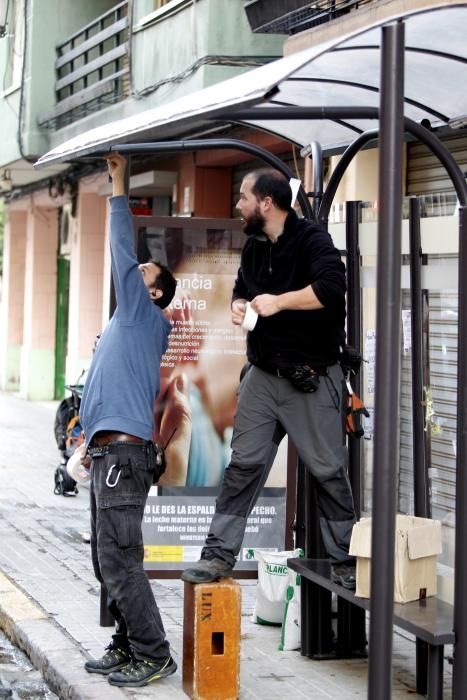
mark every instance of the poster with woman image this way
{"type": "Point", "coordinates": [200, 375]}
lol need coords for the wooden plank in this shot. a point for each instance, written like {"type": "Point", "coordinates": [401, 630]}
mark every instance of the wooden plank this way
{"type": "Point", "coordinates": [108, 57]}
{"type": "Point", "coordinates": [430, 619]}
{"type": "Point", "coordinates": [82, 30]}
{"type": "Point", "coordinates": [103, 87]}
{"type": "Point", "coordinates": [91, 43]}
{"type": "Point", "coordinates": [211, 640]}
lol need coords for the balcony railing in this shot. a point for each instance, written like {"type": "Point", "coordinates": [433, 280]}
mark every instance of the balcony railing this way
{"type": "Point", "coordinates": [292, 16]}
{"type": "Point", "coordinates": [91, 69]}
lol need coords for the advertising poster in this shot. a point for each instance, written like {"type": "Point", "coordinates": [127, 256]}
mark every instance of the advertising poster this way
{"type": "Point", "coordinates": [195, 410]}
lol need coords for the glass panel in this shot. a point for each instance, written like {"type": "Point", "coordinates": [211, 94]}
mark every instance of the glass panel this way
{"type": "Point", "coordinates": [439, 277]}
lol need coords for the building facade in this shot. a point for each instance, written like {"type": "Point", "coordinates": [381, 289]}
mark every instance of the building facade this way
{"type": "Point", "coordinates": [69, 67]}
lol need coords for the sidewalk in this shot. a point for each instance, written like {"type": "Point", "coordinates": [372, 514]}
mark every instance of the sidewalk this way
{"type": "Point", "coordinates": [49, 599]}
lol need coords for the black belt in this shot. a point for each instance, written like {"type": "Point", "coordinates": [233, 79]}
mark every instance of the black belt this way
{"type": "Point", "coordinates": [277, 371]}
{"type": "Point", "coordinates": [285, 372]}
{"type": "Point", "coordinates": [107, 437]}
{"type": "Point", "coordinates": [116, 448]}
{"type": "Point", "coordinates": [106, 442]}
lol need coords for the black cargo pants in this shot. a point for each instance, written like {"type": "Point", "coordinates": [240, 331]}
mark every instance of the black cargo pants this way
{"type": "Point", "coordinates": [268, 408]}
{"type": "Point", "coordinates": [120, 482]}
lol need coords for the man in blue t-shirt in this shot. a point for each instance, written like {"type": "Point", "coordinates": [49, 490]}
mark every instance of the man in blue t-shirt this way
{"type": "Point", "coordinates": [117, 417]}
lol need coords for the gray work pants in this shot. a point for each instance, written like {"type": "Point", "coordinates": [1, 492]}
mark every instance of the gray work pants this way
{"type": "Point", "coordinates": [268, 408]}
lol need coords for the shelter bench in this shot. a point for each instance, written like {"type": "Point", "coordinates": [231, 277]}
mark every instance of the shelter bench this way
{"type": "Point", "coordinates": [430, 620]}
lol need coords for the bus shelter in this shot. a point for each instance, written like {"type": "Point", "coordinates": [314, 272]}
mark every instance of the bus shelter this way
{"type": "Point", "coordinates": [379, 84]}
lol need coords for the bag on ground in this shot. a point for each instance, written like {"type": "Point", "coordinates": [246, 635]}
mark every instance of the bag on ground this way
{"type": "Point", "coordinates": [273, 574]}
{"type": "Point", "coordinates": [291, 634]}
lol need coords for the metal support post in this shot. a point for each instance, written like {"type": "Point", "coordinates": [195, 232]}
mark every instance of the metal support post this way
{"type": "Point", "coordinates": [354, 337]}
{"type": "Point", "coordinates": [316, 614]}
{"type": "Point", "coordinates": [459, 685]}
{"type": "Point", "coordinates": [435, 673]}
{"type": "Point", "coordinates": [420, 471]}
{"type": "Point", "coordinates": [351, 630]}
{"type": "Point", "coordinates": [422, 507]}
{"type": "Point", "coordinates": [387, 362]}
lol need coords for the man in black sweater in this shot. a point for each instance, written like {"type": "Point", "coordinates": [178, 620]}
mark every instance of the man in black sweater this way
{"type": "Point", "coordinates": [294, 279]}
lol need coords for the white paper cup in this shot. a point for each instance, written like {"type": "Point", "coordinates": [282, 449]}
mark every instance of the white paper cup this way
{"type": "Point", "coordinates": [249, 322]}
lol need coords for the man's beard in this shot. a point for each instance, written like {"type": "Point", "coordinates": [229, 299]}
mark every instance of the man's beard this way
{"type": "Point", "coordinates": [255, 223]}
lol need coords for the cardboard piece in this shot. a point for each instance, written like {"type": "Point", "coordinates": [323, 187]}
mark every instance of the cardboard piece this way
{"type": "Point", "coordinates": [418, 542]}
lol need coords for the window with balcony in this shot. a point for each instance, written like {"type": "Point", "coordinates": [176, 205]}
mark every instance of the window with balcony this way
{"type": "Point", "coordinates": [292, 16]}
{"type": "Point", "coordinates": [91, 69]}
{"type": "Point", "coordinates": [15, 42]}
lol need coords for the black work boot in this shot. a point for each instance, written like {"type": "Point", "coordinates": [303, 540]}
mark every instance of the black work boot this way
{"type": "Point", "coordinates": [207, 570]}
{"type": "Point", "coordinates": [344, 574]}
{"type": "Point", "coordinates": [139, 673]}
{"type": "Point", "coordinates": [113, 660]}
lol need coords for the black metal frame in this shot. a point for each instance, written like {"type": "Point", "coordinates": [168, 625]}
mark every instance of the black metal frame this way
{"type": "Point", "coordinates": [216, 144]}
{"type": "Point", "coordinates": [388, 325]}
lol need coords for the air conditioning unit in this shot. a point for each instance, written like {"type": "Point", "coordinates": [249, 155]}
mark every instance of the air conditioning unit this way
{"type": "Point", "coordinates": [67, 224]}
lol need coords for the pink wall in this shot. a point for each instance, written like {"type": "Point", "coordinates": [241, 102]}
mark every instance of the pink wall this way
{"type": "Point", "coordinates": [13, 277]}
{"type": "Point", "coordinates": [86, 278]}
{"type": "Point", "coordinates": [40, 278]}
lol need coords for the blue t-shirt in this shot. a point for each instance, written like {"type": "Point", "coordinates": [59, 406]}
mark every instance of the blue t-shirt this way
{"type": "Point", "coordinates": [123, 380]}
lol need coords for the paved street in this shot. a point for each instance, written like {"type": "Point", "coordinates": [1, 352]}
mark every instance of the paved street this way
{"type": "Point", "coordinates": [49, 599]}
{"type": "Point", "coordinates": [19, 680]}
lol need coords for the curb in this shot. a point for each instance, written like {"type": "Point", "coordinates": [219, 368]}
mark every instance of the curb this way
{"type": "Point", "coordinates": [50, 650]}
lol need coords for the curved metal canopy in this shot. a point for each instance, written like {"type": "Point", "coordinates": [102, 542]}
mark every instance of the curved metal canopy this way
{"type": "Point", "coordinates": [344, 72]}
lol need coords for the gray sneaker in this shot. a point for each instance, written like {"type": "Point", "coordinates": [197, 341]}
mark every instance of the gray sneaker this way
{"type": "Point", "coordinates": [207, 570]}
{"type": "Point", "coordinates": [139, 673]}
{"type": "Point", "coordinates": [344, 574]}
{"type": "Point", "coordinates": [113, 660]}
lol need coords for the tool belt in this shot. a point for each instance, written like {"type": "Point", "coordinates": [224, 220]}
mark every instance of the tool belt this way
{"type": "Point", "coordinates": [108, 437]}
{"type": "Point", "coordinates": [114, 448]}
{"type": "Point", "coordinates": [302, 377]}
{"type": "Point", "coordinates": [99, 447]}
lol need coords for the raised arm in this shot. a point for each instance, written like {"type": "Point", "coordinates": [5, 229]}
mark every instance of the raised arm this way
{"type": "Point", "coordinates": [117, 166]}
{"type": "Point", "coordinates": [130, 291]}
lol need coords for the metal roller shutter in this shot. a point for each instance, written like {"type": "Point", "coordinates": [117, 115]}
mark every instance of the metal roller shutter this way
{"type": "Point", "coordinates": [406, 498]}
{"type": "Point", "coordinates": [443, 379]}
{"type": "Point", "coordinates": [443, 385]}
{"type": "Point", "coordinates": [425, 176]}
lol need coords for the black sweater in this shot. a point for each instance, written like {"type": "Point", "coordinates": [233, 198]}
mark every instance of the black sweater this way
{"type": "Point", "coordinates": [303, 254]}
